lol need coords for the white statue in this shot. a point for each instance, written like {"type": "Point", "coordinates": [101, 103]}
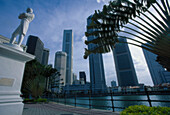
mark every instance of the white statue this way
{"type": "Point", "coordinates": [26, 18]}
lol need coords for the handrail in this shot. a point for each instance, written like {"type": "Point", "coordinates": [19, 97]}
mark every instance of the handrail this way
{"type": "Point", "coordinates": [90, 105]}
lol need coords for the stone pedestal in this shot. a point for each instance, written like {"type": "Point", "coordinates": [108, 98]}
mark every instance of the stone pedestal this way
{"type": "Point", "coordinates": [12, 64]}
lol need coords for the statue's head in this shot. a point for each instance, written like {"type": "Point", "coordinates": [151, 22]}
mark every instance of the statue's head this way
{"type": "Point", "coordinates": [30, 10]}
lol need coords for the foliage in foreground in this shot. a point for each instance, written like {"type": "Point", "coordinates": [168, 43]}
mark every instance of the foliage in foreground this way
{"type": "Point", "coordinates": [145, 110]}
{"type": "Point", "coordinates": [35, 100]}
{"type": "Point", "coordinates": [34, 80]}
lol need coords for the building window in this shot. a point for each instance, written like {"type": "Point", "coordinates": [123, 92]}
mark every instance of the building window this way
{"type": "Point", "coordinates": [67, 37]}
{"type": "Point", "coordinates": [123, 62]}
{"type": "Point", "coordinates": [67, 48]}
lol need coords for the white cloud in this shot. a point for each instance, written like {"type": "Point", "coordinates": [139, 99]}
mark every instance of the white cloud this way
{"type": "Point", "coordinates": [98, 1]}
{"type": "Point", "coordinates": [84, 38]}
{"type": "Point", "coordinates": [140, 65]}
{"type": "Point", "coordinates": [104, 1]}
{"type": "Point", "coordinates": [109, 67]}
{"type": "Point", "coordinates": [79, 63]}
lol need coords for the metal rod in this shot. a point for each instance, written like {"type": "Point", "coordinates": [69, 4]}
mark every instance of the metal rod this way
{"type": "Point", "coordinates": [75, 100]}
{"type": "Point", "coordinates": [89, 99]}
{"type": "Point", "coordinates": [65, 98]}
{"type": "Point", "coordinates": [112, 100]}
{"type": "Point", "coordinates": [147, 93]}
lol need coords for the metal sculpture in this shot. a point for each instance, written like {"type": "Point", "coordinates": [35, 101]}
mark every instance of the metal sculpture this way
{"type": "Point", "coordinates": [152, 35]}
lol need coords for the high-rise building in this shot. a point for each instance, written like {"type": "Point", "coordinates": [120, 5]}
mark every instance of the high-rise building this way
{"type": "Point", "coordinates": [125, 70]}
{"type": "Point", "coordinates": [97, 75]}
{"type": "Point", "coordinates": [82, 77]}
{"type": "Point", "coordinates": [68, 48]}
{"type": "Point", "coordinates": [35, 47]}
{"type": "Point", "coordinates": [45, 56]}
{"type": "Point", "coordinates": [74, 77]}
{"type": "Point", "coordinates": [60, 65]}
{"type": "Point", "coordinates": [51, 65]}
{"type": "Point", "coordinates": [158, 73]}
{"type": "Point", "coordinates": [113, 83]}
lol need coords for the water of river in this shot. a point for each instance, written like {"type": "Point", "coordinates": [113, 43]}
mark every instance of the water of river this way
{"type": "Point", "coordinates": [100, 102]}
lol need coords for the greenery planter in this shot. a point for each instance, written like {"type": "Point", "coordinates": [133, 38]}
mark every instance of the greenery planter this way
{"type": "Point", "coordinates": [145, 110]}
{"type": "Point", "coordinates": [34, 101]}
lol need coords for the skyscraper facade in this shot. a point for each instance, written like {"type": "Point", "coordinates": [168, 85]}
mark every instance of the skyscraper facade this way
{"type": "Point", "coordinates": [45, 56]}
{"type": "Point", "coordinates": [125, 70]}
{"type": "Point", "coordinates": [35, 47]}
{"type": "Point", "coordinates": [60, 65]}
{"type": "Point", "coordinates": [113, 83]}
{"type": "Point", "coordinates": [82, 76]}
{"type": "Point", "coordinates": [158, 73]}
{"type": "Point", "coordinates": [68, 48]}
{"type": "Point", "coordinates": [74, 77]}
{"type": "Point", "coordinates": [97, 75]}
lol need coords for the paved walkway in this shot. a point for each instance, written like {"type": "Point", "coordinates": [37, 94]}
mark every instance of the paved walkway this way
{"type": "Point", "coordinates": [60, 109]}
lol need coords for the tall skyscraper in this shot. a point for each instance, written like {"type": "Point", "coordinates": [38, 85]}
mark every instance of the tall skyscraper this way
{"type": "Point", "coordinates": [125, 70]}
{"type": "Point", "coordinates": [74, 77]}
{"type": "Point", "coordinates": [82, 76]}
{"type": "Point", "coordinates": [45, 56]}
{"type": "Point", "coordinates": [158, 73]}
{"type": "Point", "coordinates": [68, 48]}
{"type": "Point", "coordinates": [97, 75]}
{"type": "Point", "coordinates": [51, 65]}
{"type": "Point", "coordinates": [35, 47]}
{"type": "Point", "coordinates": [60, 65]}
{"type": "Point", "coordinates": [113, 83]}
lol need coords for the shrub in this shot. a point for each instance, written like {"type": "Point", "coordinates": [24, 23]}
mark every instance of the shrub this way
{"type": "Point", "coordinates": [40, 100]}
{"type": "Point", "coordinates": [145, 110]}
{"type": "Point", "coordinates": [34, 100]}
{"type": "Point", "coordinates": [26, 100]}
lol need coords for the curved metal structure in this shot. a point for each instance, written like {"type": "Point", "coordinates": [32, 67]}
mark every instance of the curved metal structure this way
{"type": "Point", "coordinates": [133, 20]}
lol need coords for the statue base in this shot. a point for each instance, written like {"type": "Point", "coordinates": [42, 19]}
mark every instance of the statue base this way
{"type": "Point", "coordinates": [12, 64]}
{"type": "Point", "coordinates": [15, 46]}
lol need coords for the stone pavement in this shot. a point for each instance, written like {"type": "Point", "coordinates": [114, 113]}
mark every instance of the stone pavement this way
{"type": "Point", "coordinates": [60, 109]}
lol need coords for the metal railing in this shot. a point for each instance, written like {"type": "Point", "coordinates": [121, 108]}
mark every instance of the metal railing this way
{"type": "Point", "coordinates": [112, 100]}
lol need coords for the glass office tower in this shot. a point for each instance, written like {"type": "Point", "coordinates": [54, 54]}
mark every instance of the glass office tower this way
{"type": "Point", "coordinates": [125, 70]}
{"type": "Point", "coordinates": [68, 48]}
{"type": "Point", "coordinates": [97, 75]}
{"type": "Point", "coordinates": [158, 74]}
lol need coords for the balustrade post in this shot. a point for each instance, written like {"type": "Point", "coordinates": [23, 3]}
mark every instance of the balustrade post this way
{"type": "Point", "coordinates": [64, 98]}
{"type": "Point", "coordinates": [58, 97]}
{"type": "Point", "coordinates": [53, 96]}
{"type": "Point", "coordinates": [89, 99]}
{"type": "Point", "coordinates": [147, 93]}
{"type": "Point", "coordinates": [75, 98]}
{"type": "Point", "coordinates": [112, 99]}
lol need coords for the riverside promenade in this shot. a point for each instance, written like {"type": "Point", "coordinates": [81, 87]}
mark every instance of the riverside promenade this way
{"type": "Point", "coordinates": [53, 108]}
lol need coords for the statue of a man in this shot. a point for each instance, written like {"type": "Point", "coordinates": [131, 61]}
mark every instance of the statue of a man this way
{"type": "Point", "coordinates": [26, 18]}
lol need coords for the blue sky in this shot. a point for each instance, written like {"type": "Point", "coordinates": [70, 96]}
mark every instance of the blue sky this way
{"type": "Point", "coordinates": [52, 17]}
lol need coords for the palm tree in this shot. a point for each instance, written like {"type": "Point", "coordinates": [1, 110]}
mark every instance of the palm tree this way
{"type": "Point", "coordinates": [34, 80]}
{"type": "Point", "coordinates": [38, 86]}
{"type": "Point", "coordinates": [49, 71]}
{"type": "Point", "coordinates": [131, 19]}
{"type": "Point", "coordinates": [33, 70]}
